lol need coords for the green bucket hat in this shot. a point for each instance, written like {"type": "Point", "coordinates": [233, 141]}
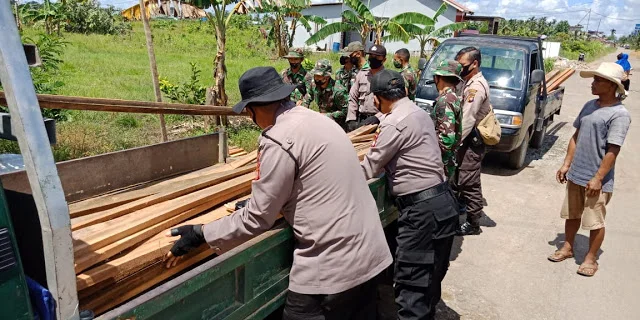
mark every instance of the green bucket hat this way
{"type": "Point", "coordinates": [448, 68]}
{"type": "Point", "coordinates": [295, 53]}
{"type": "Point", "coordinates": [322, 68]}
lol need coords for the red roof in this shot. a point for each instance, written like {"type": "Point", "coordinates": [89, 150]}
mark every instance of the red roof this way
{"type": "Point", "coordinates": [457, 5]}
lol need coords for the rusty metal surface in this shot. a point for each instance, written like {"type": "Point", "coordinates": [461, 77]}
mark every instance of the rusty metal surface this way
{"type": "Point", "coordinates": [91, 176]}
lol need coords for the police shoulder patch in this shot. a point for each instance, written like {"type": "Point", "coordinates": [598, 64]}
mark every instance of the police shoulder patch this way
{"type": "Point", "coordinates": [471, 95]}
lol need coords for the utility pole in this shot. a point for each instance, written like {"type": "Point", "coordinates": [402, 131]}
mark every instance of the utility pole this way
{"type": "Point", "coordinates": [598, 29]}
{"type": "Point", "coordinates": [153, 66]}
{"type": "Point", "coordinates": [15, 5]}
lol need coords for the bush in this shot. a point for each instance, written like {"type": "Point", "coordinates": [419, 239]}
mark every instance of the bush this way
{"type": "Point", "coordinates": [190, 92]}
{"type": "Point", "coordinates": [548, 65]}
{"type": "Point", "coordinates": [571, 49]}
{"type": "Point", "coordinates": [88, 17]}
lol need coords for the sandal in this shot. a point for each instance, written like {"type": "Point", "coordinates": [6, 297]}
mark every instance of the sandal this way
{"type": "Point", "coordinates": [588, 269]}
{"type": "Point", "coordinates": [559, 256]}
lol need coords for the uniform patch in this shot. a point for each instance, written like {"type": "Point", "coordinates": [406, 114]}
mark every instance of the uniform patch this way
{"type": "Point", "coordinates": [258, 166]}
{"type": "Point", "coordinates": [471, 95]}
{"type": "Point", "coordinates": [375, 137]}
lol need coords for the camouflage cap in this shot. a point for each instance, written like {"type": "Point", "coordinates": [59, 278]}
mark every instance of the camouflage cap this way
{"type": "Point", "coordinates": [354, 46]}
{"type": "Point", "coordinates": [323, 68]}
{"type": "Point", "coordinates": [295, 53]}
{"type": "Point", "coordinates": [448, 68]}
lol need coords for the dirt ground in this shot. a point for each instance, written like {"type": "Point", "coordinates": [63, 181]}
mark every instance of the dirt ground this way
{"type": "Point", "coordinates": [504, 274]}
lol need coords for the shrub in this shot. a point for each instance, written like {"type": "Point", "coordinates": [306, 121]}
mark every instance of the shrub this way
{"type": "Point", "coordinates": [88, 17]}
{"type": "Point", "coordinates": [190, 92]}
{"type": "Point", "coordinates": [548, 65]}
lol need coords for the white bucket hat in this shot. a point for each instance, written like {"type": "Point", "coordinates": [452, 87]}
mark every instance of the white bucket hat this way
{"type": "Point", "coordinates": [608, 70]}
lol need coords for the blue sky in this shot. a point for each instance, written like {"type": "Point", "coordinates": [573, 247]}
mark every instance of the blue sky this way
{"type": "Point", "coordinates": [621, 15]}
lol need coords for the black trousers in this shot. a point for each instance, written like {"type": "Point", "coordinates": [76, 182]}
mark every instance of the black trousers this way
{"type": "Point", "coordinates": [425, 237]}
{"type": "Point", "coordinates": [626, 84]}
{"type": "Point", "coordinates": [358, 303]}
{"type": "Point", "coordinates": [469, 187]}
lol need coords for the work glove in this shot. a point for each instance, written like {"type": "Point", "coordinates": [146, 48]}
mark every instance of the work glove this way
{"type": "Point", "coordinates": [242, 203]}
{"type": "Point", "coordinates": [370, 120]}
{"type": "Point", "coordinates": [352, 125]}
{"type": "Point", "coordinates": [191, 237]}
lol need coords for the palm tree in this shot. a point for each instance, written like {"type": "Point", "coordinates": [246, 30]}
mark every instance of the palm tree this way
{"type": "Point", "coordinates": [362, 20]}
{"type": "Point", "coordinates": [423, 28]}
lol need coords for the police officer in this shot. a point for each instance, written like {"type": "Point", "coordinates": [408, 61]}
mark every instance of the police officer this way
{"type": "Point", "coordinates": [296, 74]}
{"type": "Point", "coordinates": [346, 75]}
{"type": "Point", "coordinates": [475, 107]}
{"type": "Point", "coordinates": [316, 183]}
{"type": "Point", "coordinates": [401, 61]}
{"type": "Point", "coordinates": [406, 149]}
{"type": "Point", "coordinates": [330, 96]}
{"type": "Point", "coordinates": [361, 109]}
{"type": "Point", "coordinates": [447, 114]}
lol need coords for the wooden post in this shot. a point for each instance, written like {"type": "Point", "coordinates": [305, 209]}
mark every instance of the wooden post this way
{"type": "Point", "coordinates": [152, 64]}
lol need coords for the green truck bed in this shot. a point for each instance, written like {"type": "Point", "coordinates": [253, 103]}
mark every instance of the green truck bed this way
{"type": "Point", "coordinates": [248, 282]}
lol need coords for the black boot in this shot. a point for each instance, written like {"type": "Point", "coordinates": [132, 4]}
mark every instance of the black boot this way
{"type": "Point", "coordinates": [467, 229]}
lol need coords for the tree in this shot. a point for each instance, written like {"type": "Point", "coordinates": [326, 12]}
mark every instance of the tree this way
{"type": "Point", "coordinates": [426, 32]}
{"type": "Point", "coordinates": [360, 19]}
{"type": "Point", "coordinates": [49, 13]}
{"type": "Point", "coordinates": [280, 31]}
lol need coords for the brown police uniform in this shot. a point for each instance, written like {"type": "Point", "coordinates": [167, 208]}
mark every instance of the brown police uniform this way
{"type": "Point", "coordinates": [406, 149]}
{"type": "Point", "coordinates": [475, 107]}
{"type": "Point", "coordinates": [360, 97]}
{"type": "Point", "coordinates": [316, 182]}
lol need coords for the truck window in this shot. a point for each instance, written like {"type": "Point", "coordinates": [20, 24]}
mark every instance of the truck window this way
{"type": "Point", "coordinates": [502, 67]}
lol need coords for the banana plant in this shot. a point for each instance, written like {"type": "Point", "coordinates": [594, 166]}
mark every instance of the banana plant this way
{"type": "Point", "coordinates": [280, 31]}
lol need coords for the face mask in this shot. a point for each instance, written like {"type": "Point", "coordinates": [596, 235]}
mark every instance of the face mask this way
{"type": "Point", "coordinates": [375, 63]}
{"type": "Point", "coordinates": [465, 71]}
{"type": "Point", "coordinates": [294, 65]}
{"type": "Point", "coordinates": [319, 83]}
{"type": "Point", "coordinates": [397, 64]}
{"type": "Point", "coordinates": [253, 115]}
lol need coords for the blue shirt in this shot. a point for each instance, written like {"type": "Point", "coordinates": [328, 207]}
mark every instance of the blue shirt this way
{"type": "Point", "coordinates": [598, 127]}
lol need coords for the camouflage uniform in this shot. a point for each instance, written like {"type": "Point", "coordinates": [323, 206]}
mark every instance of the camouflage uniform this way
{"type": "Point", "coordinates": [447, 117]}
{"type": "Point", "coordinates": [301, 79]}
{"type": "Point", "coordinates": [332, 100]}
{"type": "Point", "coordinates": [346, 78]}
{"type": "Point", "coordinates": [410, 81]}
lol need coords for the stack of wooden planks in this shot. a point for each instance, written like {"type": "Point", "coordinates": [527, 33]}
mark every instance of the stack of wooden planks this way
{"type": "Point", "coordinates": [119, 239]}
{"type": "Point", "coordinates": [235, 152]}
{"type": "Point", "coordinates": [556, 77]}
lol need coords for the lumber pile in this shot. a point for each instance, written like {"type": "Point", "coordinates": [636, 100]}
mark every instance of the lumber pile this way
{"type": "Point", "coordinates": [555, 78]}
{"type": "Point", "coordinates": [119, 238]}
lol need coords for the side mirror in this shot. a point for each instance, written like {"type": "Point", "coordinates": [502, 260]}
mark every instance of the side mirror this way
{"type": "Point", "coordinates": [422, 63]}
{"type": "Point", "coordinates": [537, 76]}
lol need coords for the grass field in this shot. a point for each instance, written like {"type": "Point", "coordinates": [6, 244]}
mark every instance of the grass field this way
{"type": "Point", "coordinates": [117, 66]}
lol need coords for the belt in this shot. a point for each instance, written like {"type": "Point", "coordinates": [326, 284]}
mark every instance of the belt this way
{"type": "Point", "coordinates": [362, 116]}
{"type": "Point", "coordinates": [411, 199]}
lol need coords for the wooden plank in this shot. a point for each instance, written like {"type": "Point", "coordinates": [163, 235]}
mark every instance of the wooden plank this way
{"type": "Point", "coordinates": [245, 160]}
{"type": "Point", "coordinates": [558, 79]}
{"type": "Point", "coordinates": [173, 191]}
{"type": "Point", "coordinates": [145, 254]}
{"type": "Point", "coordinates": [550, 75]}
{"type": "Point", "coordinates": [362, 130]}
{"type": "Point", "coordinates": [363, 138]}
{"type": "Point", "coordinates": [239, 154]}
{"type": "Point", "coordinates": [557, 83]}
{"type": "Point", "coordinates": [47, 101]}
{"type": "Point", "coordinates": [128, 288]}
{"type": "Point", "coordinates": [97, 236]}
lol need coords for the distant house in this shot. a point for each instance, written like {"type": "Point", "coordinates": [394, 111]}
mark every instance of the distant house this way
{"type": "Point", "coordinates": [164, 8]}
{"type": "Point", "coordinates": [331, 11]}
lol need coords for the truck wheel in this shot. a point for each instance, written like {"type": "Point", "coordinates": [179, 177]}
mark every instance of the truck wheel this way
{"type": "Point", "coordinates": [517, 156]}
{"type": "Point", "coordinates": [538, 137]}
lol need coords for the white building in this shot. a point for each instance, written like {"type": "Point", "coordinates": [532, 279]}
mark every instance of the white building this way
{"type": "Point", "coordinates": [331, 11]}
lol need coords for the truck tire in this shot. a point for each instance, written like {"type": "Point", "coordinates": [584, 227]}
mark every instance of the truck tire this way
{"type": "Point", "coordinates": [517, 156]}
{"type": "Point", "coordinates": [537, 138]}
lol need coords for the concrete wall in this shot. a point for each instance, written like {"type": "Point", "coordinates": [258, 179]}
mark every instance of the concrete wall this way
{"type": "Point", "coordinates": [379, 8]}
{"type": "Point", "coordinates": [551, 49]}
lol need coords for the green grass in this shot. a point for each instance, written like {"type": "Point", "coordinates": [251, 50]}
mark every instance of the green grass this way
{"type": "Point", "coordinates": [117, 67]}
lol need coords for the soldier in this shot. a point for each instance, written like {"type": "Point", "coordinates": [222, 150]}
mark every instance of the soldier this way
{"type": "Point", "coordinates": [355, 51]}
{"type": "Point", "coordinates": [296, 74]}
{"type": "Point", "coordinates": [475, 107]}
{"type": "Point", "coordinates": [330, 96]}
{"type": "Point", "coordinates": [316, 183]}
{"type": "Point", "coordinates": [361, 109]}
{"type": "Point", "coordinates": [406, 148]}
{"type": "Point", "coordinates": [401, 61]}
{"type": "Point", "coordinates": [447, 114]}
{"type": "Point", "coordinates": [346, 75]}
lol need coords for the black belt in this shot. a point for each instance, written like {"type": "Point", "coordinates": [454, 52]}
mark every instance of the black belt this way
{"type": "Point", "coordinates": [411, 199]}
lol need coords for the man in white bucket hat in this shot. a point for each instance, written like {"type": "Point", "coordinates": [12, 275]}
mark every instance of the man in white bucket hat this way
{"type": "Point", "coordinates": [588, 168]}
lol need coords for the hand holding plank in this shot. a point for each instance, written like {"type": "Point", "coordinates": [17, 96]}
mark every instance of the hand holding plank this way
{"type": "Point", "coordinates": [191, 237]}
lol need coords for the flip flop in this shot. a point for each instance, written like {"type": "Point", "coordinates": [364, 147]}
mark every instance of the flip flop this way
{"type": "Point", "coordinates": [588, 269]}
{"type": "Point", "coordinates": [558, 256]}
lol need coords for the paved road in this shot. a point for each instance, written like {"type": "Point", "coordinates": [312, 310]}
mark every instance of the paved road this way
{"type": "Point", "coordinates": [504, 274]}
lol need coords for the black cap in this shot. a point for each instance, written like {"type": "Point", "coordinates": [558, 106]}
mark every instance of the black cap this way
{"type": "Point", "coordinates": [377, 50]}
{"type": "Point", "coordinates": [386, 80]}
{"type": "Point", "coordinates": [261, 84]}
